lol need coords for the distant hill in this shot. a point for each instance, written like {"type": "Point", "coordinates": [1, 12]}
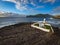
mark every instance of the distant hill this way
{"type": "Point", "coordinates": [41, 15]}
{"type": "Point", "coordinates": [57, 16]}
{"type": "Point", "coordinates": [11, 15]}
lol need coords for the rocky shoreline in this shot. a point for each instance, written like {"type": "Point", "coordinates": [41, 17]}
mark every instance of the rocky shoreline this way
{"type": "Point", "coordinates": [24, 34]}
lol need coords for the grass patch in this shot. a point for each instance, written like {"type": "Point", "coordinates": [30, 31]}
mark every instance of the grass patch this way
{"type": "Point", "coordinates": [36, 25]}
{"type": "Point", "coordinates": [47, 26]}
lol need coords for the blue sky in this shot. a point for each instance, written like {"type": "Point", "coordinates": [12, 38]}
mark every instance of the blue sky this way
{"type": "Point", "coordinates": [29, 7]}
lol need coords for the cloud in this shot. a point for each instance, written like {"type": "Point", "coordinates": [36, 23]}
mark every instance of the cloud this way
{"type": "Point", "coordinates": [47, 1]}
{"type": "Point", "coordinates": [21, 8]}
{"type": "Point", "coordinates": [23, 4]}
{"type": "Point", "coordinates": [52, 1]}
{"type": "Point", "coordinates": [2, 12]}
{"type": "Point", "coordinates": [14, 1]}
{"type": "Point", "coordinates": [33, 3]}
{"type": "Point", "coordinates": [40, 0]}
{"type": "Point", "coordinates": [56, 10]}
{"type": "Point", "coordinates": [18, 3]}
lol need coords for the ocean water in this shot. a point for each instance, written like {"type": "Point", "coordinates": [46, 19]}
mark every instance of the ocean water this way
{"type": "Point", "coordinates": [5, 21]}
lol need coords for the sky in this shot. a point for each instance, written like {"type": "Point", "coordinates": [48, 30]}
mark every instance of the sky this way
{"type": "Point", "coordinates": [30, 7]}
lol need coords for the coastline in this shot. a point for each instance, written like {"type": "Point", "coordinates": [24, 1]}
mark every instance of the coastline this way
{"type": "Point", "coordinates": [24, 34]}
{"type": "Point", "coordinates": [16, 24]}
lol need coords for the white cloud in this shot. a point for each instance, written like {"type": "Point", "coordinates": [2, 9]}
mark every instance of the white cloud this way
{"type": "Point", "coordinates": [14, 1]}
{"type": "Point", "coordinates": [40, 0]}
{"type": "Point", "coordinates": [47, 1]}
{"type": "Point", "coordinates": [22, 4]}
{"type": "Point", "coordinates": [2, 12]}
{"type": "Point", "coordinates": [51, 1]}
{"type": "Point", "coordinates": [56, 10]}
{"type": "Point", "coordinates": [21, 8]}
{"type": "Point", "coordinates": [19, 3]}
{"type": "Point", "coordinates": [25, 1]}
{"type": "Point", "coordinates": [33, 3]}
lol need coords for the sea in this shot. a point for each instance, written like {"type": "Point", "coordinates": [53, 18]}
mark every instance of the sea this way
{"type": "Point", "coordinates": [6, 21]}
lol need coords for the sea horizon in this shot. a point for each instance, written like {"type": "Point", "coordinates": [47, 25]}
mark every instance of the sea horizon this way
{"type": "Point", "coordinates": [6, 21]}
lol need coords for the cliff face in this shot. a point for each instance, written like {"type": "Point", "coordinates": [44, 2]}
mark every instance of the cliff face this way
{"type": "Point", "coordinates": [57, 16]}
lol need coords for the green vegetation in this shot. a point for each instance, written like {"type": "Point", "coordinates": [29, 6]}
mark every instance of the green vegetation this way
{"type": "Point", "coordinates": [41, 15]}
{"type": "Point", "coordinates": [44, 16]}
{"type": "Point", "coordinates": [47, 27]}
{"type": "Point", "coordinates": [37, 25]}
